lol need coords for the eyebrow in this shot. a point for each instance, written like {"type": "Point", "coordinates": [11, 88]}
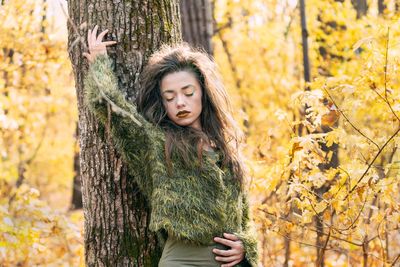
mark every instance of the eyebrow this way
{"type": "Point", "coordinates": [171, 91]}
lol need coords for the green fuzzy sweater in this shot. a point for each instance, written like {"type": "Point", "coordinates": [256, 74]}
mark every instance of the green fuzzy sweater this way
{"type": "Point", "coordinates": [194, 206]}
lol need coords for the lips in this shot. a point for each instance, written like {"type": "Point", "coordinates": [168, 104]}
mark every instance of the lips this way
{"type": "Point", "coordinates": [183, 114]}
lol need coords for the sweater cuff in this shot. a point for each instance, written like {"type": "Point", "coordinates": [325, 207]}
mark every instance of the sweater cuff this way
{"type": "Point", "coordinates": [250, 246]}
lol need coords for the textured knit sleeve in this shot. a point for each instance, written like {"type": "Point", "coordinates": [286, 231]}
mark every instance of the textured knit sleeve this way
{"type": "Point", "coordinates": [131, 133]}
{"type": "Point", "coordinates": [248, 235]}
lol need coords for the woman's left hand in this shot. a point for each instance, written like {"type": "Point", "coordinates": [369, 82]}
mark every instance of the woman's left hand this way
{"type": "Point", "coordinates": [232, 256]}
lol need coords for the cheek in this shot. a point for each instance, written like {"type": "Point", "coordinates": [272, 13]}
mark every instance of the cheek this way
{"type": "Point", "coordinates": [169, 109]}
{"type": "Point", "coordinates": [198, 103]}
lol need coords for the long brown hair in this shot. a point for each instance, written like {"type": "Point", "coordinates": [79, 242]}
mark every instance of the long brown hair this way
{"type": "Point", "coordinates": [218, 125]}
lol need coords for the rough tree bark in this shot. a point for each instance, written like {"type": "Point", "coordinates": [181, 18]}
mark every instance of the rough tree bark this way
{"type": "Point", "coordinates": [116, 213]}
{"type": "Point", "coordinates": [76, 202]}
{"type": "Point", "coordinates": [197, 30]}
{"type": "Point", "coordinates": [197, 25]}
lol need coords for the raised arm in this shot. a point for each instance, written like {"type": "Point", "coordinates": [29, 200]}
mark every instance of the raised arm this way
{"type": "Point", "coordinates": [133, 136]}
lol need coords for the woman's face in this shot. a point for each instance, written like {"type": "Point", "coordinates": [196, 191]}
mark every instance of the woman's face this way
{"type": "Point", "coordinates": [181, 95]}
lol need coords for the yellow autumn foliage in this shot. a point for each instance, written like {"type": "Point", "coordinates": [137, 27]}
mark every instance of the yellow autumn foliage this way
{"type": "Point", "coordinates": [352, 107]}
{"type": "Point", "coordinates": [37, 123]}
{"type": "Point", "coordinates": [354, 93]}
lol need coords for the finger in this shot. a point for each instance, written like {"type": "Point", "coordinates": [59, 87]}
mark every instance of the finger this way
{"type": "Point", "coordinates": [87, 56]}
{"type": "Point", "coordinates": [226, 259]}
{"type": "Point", "coordinates": [230, 264]}
{"type": "Point", "coordinates": [101, 35]}
{"type": "Point", "coordinates": [231, 236]}
{"type": "Point", "coordinates": [89, 34]}
{"type": "Point", "coordinates": [224, 241]}
{"type": "Point", "coordinates": [94, 34]}
{"type": "Point", "coordinates": [109, 43]}
{"type": "Point", "coordinates": [220, 252]}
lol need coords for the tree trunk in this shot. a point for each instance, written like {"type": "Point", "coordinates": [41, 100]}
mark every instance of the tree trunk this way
{"type": "Point", "coordinates": [361, 7]}
{"type": "Point", "coordinates": [397, 6]}
{"type": "Point", "coordinates": [304, 41]}
{"type": "Point", "coordinates": [306, 75]}
{"type": "Point", "coordinates": [116, 213]}
{"type": "Point", "coordinates": [197, 27]}
{"type": "Point", "coordinates": [77, 184]}
{"type": "Point", "coordinates": [327, 54]}
{"type": "Point", "coordinates": [287, 252]}
{"type": "Point", "coordinates": [381, 7]}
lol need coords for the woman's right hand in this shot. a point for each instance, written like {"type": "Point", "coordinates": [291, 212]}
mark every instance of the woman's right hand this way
{"type": "Point", "coordinates": [96, 45]}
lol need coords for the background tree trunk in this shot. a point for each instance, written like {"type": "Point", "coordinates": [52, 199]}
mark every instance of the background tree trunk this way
{"type": "Point", "coordinates": [328, 55]}
{"type": "Point", "coordinates": [361, 7]}
{"type": "Point", "coordinates": [397, 6]}
{"type": "Point", "coordinates": [76, 202]}
{"type": "Point", "coordinates": [116, 213]}
{"type": "Point", "coordinates": [197, 25]}
{"type": "Point", "coordinates": [381, 7]}
{"type": "Point", "coordinates": [304, 41]}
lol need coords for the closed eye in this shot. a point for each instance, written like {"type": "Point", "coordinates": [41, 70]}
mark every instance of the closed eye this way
{"type": "Point", "coordinates": [169, 96]}
{"type": "Point", "coordinates": [188, 90]}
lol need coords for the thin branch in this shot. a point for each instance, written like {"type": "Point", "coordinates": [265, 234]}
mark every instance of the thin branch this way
{"type": "Point", "coordinates": [357, 217]}
{"type": "Point", "coordinates": [370, 165]}
{"type": "Point", "coordinates": [386, 61]}
{"type": "Point", "coordinates": [342, 185]}
{"type": "Point", "coordinates": [389, 230]}
{"type": "Point", "coordinates": [395, 260]}
{"type": "Point", "coordinates": [386, 64]}
{"type": "Point", "coordinates": [321, 256]}
{"type": "Point", "coordinates": [291, 19]}
{"type": "Point", "coordinates": [348, 120]}
{"type": "Point", "coordinates": [311, 229]}
{"type": "Point", "coordinates": [79, 38]}
{"type": "Point", "coordinates": [226, 25]}
{"type": "Point", "coordinates": [385, 98]}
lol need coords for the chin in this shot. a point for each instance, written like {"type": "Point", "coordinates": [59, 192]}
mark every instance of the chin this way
{"type": "Point", "coordinates": [183, 123]}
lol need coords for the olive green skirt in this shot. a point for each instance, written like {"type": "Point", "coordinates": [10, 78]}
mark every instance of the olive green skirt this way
{"type": "Point", "coordinates": [178, 254]}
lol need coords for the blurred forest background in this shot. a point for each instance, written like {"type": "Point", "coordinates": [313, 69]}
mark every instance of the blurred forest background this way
{"type": "Point", "coordinates": [321, 123]}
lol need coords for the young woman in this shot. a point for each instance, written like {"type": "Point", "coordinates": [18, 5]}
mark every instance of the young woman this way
{"type": "Point", "coordinates": [181, 144]}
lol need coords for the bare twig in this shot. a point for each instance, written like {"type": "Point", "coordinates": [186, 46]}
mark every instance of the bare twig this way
{"type": "Point", "coordinates": [386, 65]}
{"type": "Point", "coordinates": [79, 37]}
{"type": "Point", "coordinates": [385, 98]}
{"type": "Point", "coordinates": [323, 249]}
{"type": "Point", "coordinates": [311, 229]}
{"type": "Point", "coordinates": [395, 260]}
{"type": "Point", "coordinates": [370, 165]}
{"type": "Point", "coordinates": [348, 120]}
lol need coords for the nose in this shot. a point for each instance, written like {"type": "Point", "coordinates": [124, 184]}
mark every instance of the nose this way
{"type": "Point", "coordinates": [180, 102]}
